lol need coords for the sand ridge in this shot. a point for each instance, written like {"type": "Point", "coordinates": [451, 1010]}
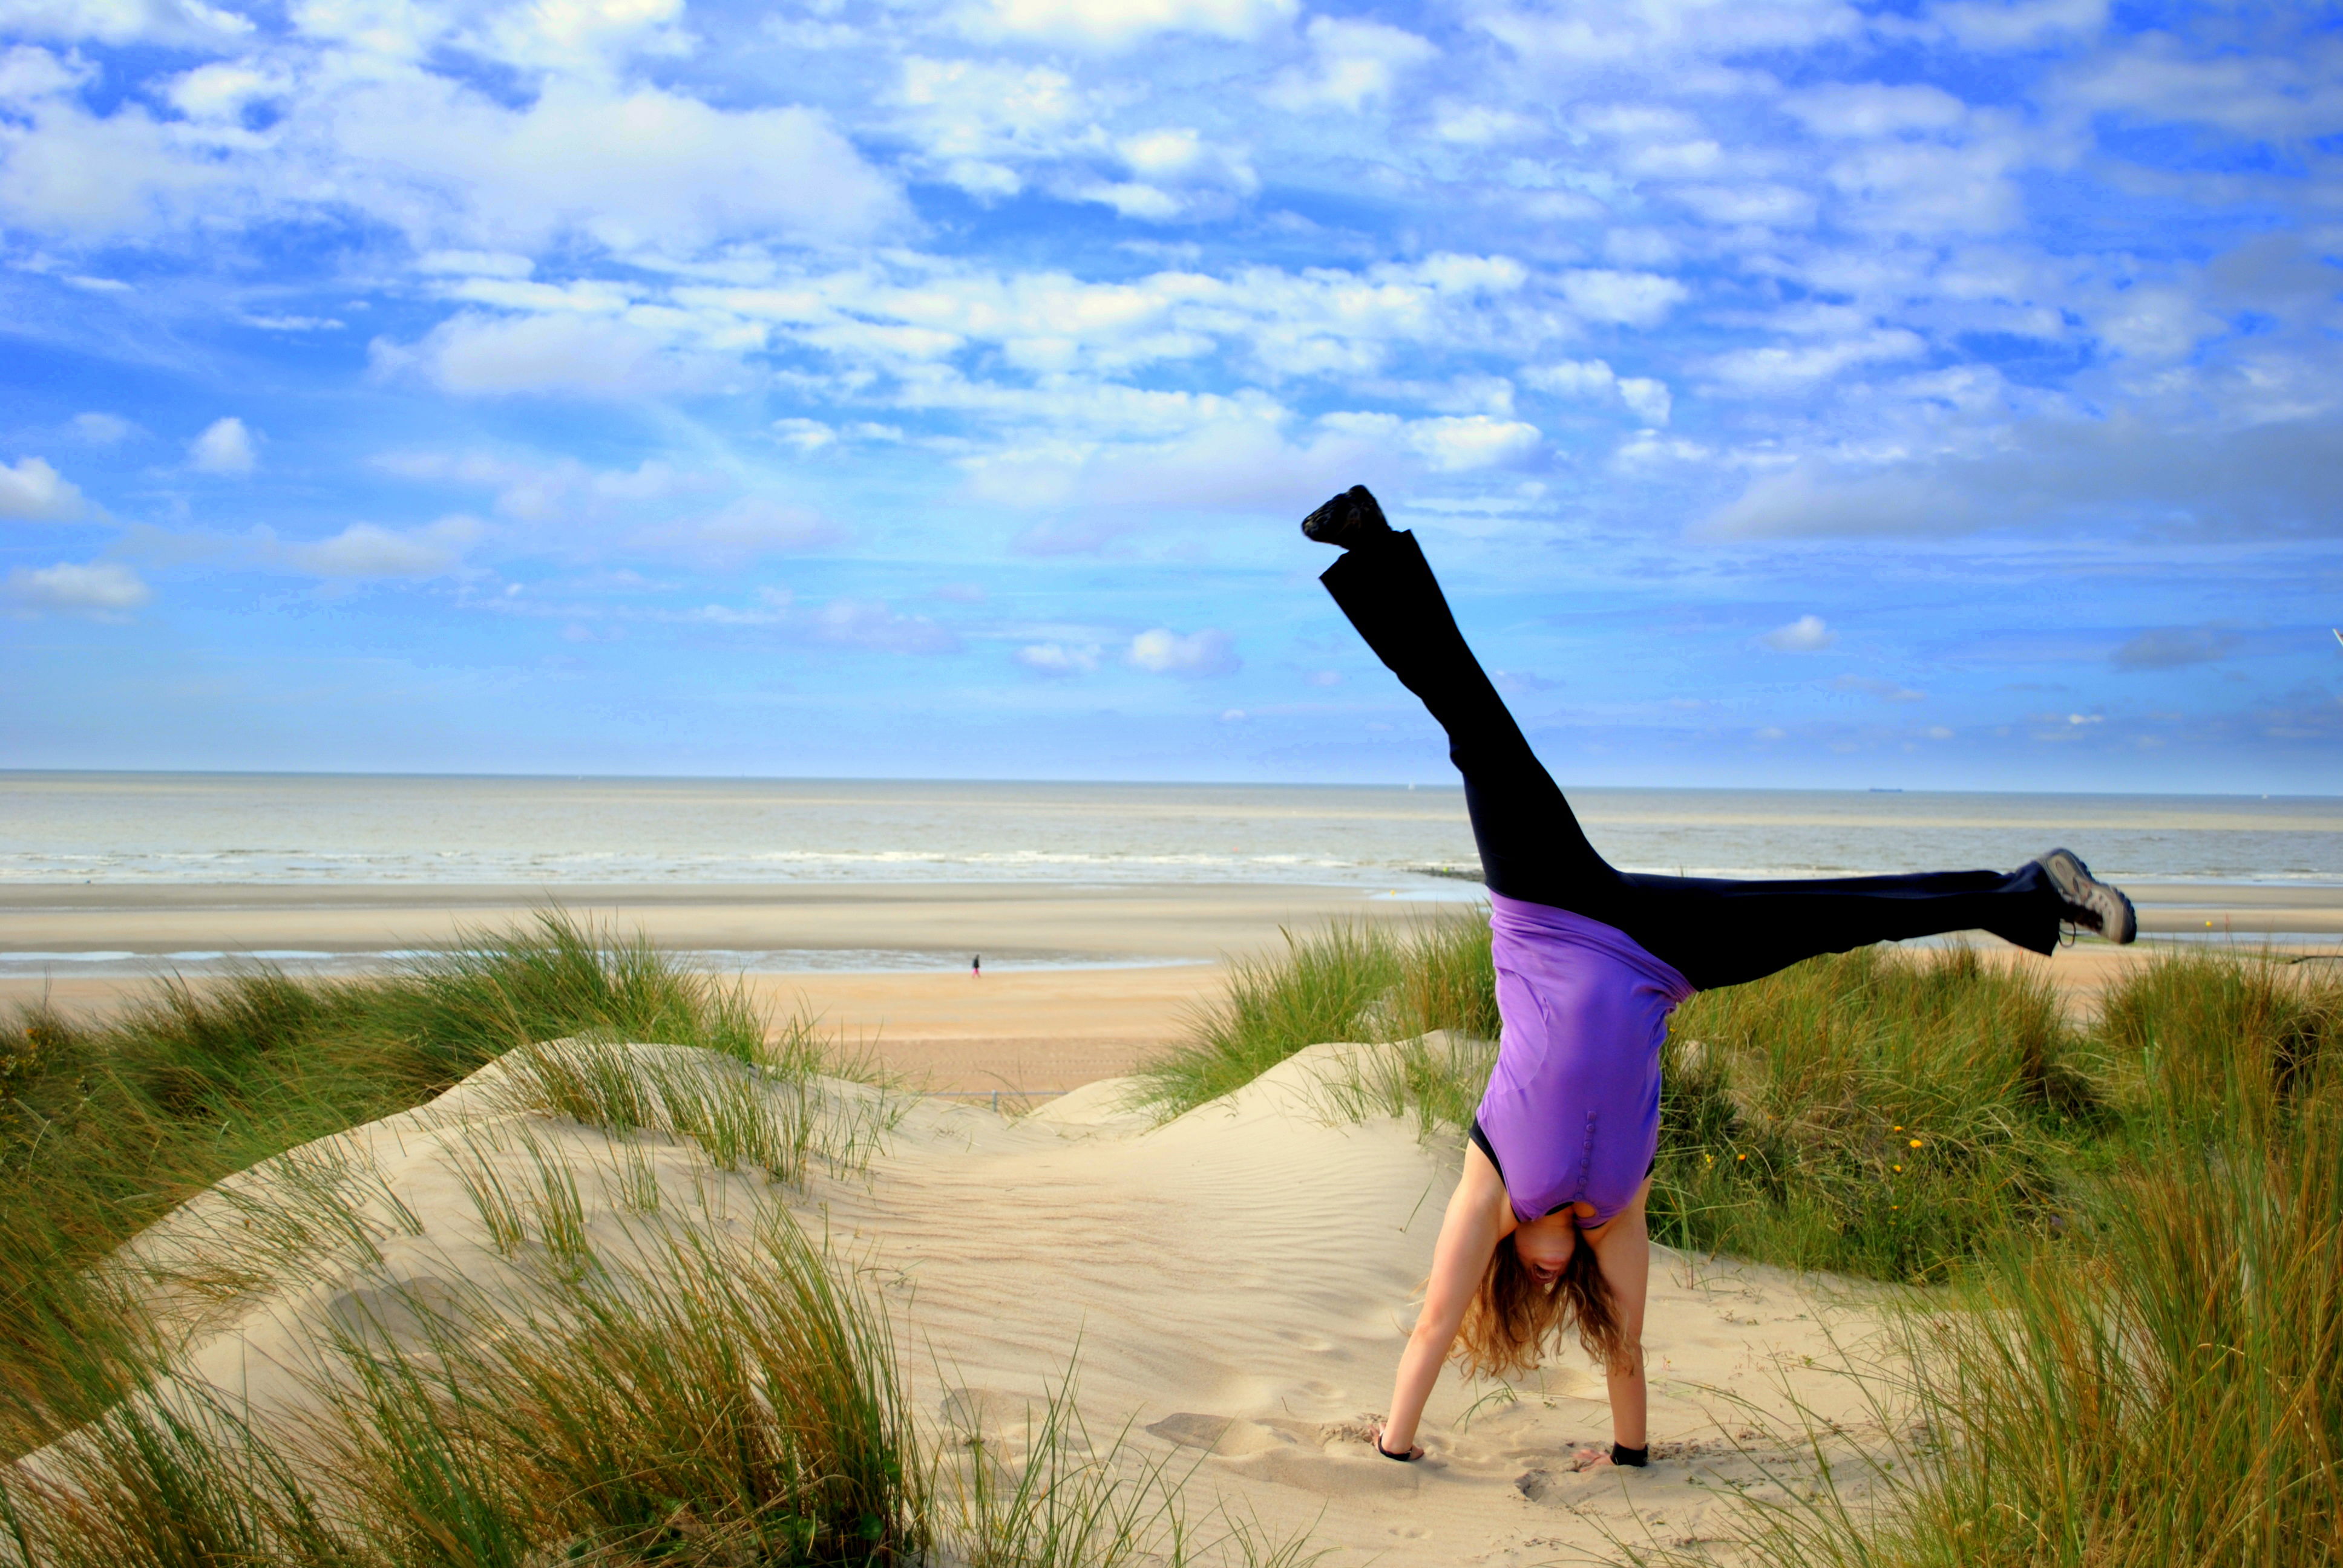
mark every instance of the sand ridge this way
{"type": "Point", "coordinates": [1231, 1288]}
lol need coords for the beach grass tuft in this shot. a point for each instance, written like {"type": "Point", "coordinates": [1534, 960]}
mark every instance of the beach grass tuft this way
{"type": "Point", "coordinates": [1351, 981]}
{"type": "Point", "coordinates": [104, 1127]}
{"type": "Point", "coordinates": [2162, 1385]}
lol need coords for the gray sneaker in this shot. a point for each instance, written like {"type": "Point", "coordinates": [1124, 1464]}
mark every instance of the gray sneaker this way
{"type": "Point", "coordinates": [2090, 902]}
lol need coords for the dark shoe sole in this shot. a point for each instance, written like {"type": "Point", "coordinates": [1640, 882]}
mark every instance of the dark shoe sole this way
{"type": "Point", "coordinates": [1351, 520]}
{"type": "Point", "coordinates": [2089, 901]}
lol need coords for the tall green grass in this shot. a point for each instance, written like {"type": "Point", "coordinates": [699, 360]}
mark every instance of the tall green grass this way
{"type": "Point", "coordinates": [1351, 981]}
{"type": "Point", "coordinates": [688, 1399]}
{"type": "Point", "coordinates": [708, 1386]}
{"type": "Point", "coordinates": [2124, 1345]}
{"type": "Point", "coordinates": [106, 1127]}
{"type": "Point", "coordinates": [1874, 1113]}
{"type": "Point", "coordinates": [2161, 1385]}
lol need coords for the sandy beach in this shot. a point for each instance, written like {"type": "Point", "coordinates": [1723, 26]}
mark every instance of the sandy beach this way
{"type": "Point", "coordinates": [1229, 1290]}
{"type": "Point", "coordinates": [1032, 1022]}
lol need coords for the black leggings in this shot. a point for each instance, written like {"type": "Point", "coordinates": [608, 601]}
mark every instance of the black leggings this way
{"type": "Point", "coordinates": [1715, 932]}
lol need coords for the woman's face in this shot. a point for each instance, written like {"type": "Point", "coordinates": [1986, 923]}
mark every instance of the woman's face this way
{"type": "Point", "coordinates": [1545, 1245]}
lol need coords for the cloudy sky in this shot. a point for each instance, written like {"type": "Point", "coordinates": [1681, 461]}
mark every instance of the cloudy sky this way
{"type": "Point", "coordinates": [1791, 392]}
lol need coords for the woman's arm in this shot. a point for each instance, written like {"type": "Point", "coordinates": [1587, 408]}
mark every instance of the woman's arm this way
{"type": "Point", "coordinates": [1478, 1216]}
{"type": "Point", "coordinates": [1623, 1248]}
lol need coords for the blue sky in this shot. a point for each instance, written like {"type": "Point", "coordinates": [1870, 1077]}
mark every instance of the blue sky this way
{"type": "Point", "coordinates": [1790, 392]}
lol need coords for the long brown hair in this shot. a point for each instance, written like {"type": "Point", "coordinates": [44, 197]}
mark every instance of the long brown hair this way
{"type": "Point", "coordinates": [1511, 1316]}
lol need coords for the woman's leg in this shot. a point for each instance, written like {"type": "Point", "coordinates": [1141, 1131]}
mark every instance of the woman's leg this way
{"type": "Point", "coordinates": [1531, 845]}
{"type": "Point", "coordinates": [1714, 932]}
{"type": "Point", "coordinates": [1717, 933]}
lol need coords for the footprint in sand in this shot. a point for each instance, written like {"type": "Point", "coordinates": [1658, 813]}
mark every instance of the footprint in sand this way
{"type": "Point", "coordinates": [1286, 1452]}
{"type": "Point", "coordinates": [406, 1314]}
{"type": "Point", "coordinates": [989, 1414]}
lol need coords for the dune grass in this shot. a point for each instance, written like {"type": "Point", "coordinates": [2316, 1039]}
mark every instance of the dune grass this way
{"type": "Point", "coordinates": [2164, 1382]}
{"type": "Point", "coordinates": [106, 1127]}
{"type": "Point", "coordinates": [1352, 981]}
{"type": "Point", "coordinates": [703, 1384]}
{"type": "Point", "coordinates": [703, 1403]}
{"type": "Point", "coordinates": [2124, 1345]}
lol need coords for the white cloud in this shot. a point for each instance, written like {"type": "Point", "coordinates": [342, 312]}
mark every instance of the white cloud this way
{"type": "Point", "coordinates": [759, 525]}
{"type": "Point", "coordinates": [1239, 464]}
{"type": "Point", "coordinates": [1760, 204]}
{"type": "Point", "coordinates": [1132, 199]}
{"type": "Point", "coordinates": [1351, 64]}
{"type": "Point", "coordinates": [369, 550]}
{"type": "Point", "coordinates": [558, 489]}
{"type": "Point", "coordinates": [980, 122]}
{"type": "Point", "coordinates": [642, 170]}
{"type": "Point", "coordinates": [1807, 634]}
{"type": "Point", "coordinates": [1646, 399]}
{"type": "Point", "coordinates": [2279, 478]}
{"type": "Point", "coordinates": [868, 624]}
{"type": "Point", "coordinates": [102, 429]}
{"type": "Point", "coordinates": [33, 491]}
{"type": "Point", "coordinates": [226, 447]}
{"type": "Point", "coordinates": [1872, 109]}
{"type": "Point", "coordinates": [1591, 36]}
{"type": "Point", "coordinates": [1477, 124]}
{"type": "Point", "coordinates": [64, 170]}
{"type": "Point", "coordinates": [1119, 24]}
{"type": "Point", "coordinates": [1593, 379]}
{"type": "Point", "coordinates": [1776, 368]}
{"type": "Point", "coordinates": [1453, 444]}
{"type": "Point", "coordinates": [1624, 298]}
{"type": "Point", "coordinates": [476, 355]}
{"type": "Point", "coordinates": [102, 589]}
{"type": "Point", "coordinates": [1997, 24]}
{"type": "Point", "coordinates": [475, 264]}
{"type": "Point", "coordinates": [805, 435]}
{"type": "Point", "coordinates": [1057, 659]}
{"type": "Point", "coordinates": [1198, 655]}
{"type": "Point", "coordinates": [293, 323]}
{"type": "Point", "coordinates": [117, 21]}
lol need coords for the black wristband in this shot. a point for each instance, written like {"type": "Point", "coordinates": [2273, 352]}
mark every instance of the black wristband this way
{"type": "Point", "coordinates": [1638, 1457]}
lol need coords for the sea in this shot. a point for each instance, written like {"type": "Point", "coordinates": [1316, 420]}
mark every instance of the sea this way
{"type": "Point", "coordinates": [155, 829]}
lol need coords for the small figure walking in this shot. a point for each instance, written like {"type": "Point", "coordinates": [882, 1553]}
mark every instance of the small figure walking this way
{"type": "Point", "coordinates": [976, 967]}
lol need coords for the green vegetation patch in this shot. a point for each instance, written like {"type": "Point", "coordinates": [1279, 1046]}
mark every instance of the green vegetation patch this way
{"type": "Point", "coordinates": [1352, 981]}
{"type": "Point", "coordinates": [105, 1128]}
{"type": "Point", "coordinates": [2125, 1341]}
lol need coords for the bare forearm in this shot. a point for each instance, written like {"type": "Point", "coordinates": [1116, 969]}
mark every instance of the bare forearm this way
{"type": "Point", "coordinates": [1630, 1402]}
{"type": "Point", "coordinates": [1419, 1369]}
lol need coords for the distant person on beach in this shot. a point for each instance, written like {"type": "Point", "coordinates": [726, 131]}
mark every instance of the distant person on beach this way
{"type": "Point", "coordinates": [976, 967]}
{"type": "Point", "coordinates": [1545, 1233]}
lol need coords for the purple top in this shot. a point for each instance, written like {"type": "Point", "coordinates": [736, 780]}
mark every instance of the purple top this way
{"type": "Point", "coordinates": [1572, 1110]}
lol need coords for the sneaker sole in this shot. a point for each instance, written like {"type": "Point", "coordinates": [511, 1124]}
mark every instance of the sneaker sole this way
{"type": "Point", "coordinates": [2117, 920]}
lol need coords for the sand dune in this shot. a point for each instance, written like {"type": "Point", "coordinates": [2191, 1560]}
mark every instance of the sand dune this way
{"type": "Point", "coordinates": [1234, 1286]}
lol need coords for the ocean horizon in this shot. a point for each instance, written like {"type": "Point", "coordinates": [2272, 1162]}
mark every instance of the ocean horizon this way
{"type": "Point", "coordinates": [552, 830]}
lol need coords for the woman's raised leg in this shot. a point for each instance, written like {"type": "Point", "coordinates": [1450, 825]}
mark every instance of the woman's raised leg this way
{"type": "Point", "coordinates": [1713, 932]}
